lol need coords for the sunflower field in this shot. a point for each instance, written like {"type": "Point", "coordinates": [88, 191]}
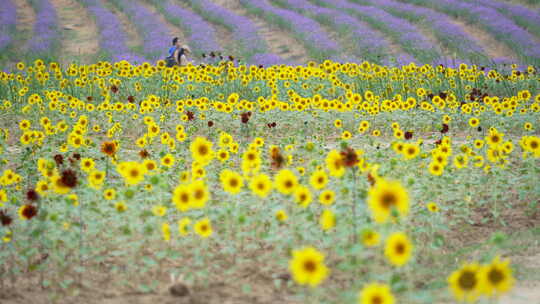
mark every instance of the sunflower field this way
{"type": "Point", "coordinates": [324, 183]}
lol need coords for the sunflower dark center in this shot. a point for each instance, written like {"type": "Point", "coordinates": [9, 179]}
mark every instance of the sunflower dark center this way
{"type": "Point", "coordinates": [233, 182]}
{"type": "Point", "coordinates": [288, 184]}
{"type": "Point", "coordinates": [388, 200]}
{"type": "Point", "coordinates": [400, 248]}
{"type": "Point", "coordinates": [467, 280]}
{"type": "Point", "coordinates": [495, 276]}
{"type": "Point", "coordinates": [376, 299]}
{"type": "Point", "coordinates": [310, 266]}
{"type": "Point", "coordinates": [203, 150]}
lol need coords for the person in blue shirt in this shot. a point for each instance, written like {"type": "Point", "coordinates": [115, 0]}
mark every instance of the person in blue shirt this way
{"type": "Point", "coordinates": [173, 57]}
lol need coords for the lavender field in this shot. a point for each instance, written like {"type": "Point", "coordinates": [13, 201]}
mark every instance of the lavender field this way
{"type": "Point", "coordinates": [390, 32]}
{"type": "Point", "coordinates": [308, 151]}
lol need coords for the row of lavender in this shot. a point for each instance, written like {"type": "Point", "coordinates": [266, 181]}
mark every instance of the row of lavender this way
{"type": "Point", "coordinates": [8, 20]}
{"type": "Point", "coordinates": [317, 42]}
{"type": "Point", "coordinates": [497, 24]}
{"type": "Point", "coordinates": [46, 39]}
{"type": "Point", "coordinates": [368, 44]}
{"type": "Point", "coordinates": [450, 35]}
{"type": "Point", "coordinates": [251, 46]}
{"type": "Point", "coordinates": [112, 37]}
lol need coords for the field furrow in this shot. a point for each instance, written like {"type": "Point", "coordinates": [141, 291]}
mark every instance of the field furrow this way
{"type": "Point", "coordinates": [26, 18]}
{"type": "Point", "coordinates": [8, 22]}
{"type": "Point", "coordinates": [79, 32]}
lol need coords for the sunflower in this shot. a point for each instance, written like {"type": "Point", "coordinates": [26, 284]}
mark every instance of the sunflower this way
{"type": "Point", "coordinates": [203, 228]}
{"type": "Point", "coordinates": [166, 232]}
{"type": "Point", "coordinates": [183, 225]}
{"type": "Point", "coordinates": [376, 293]}
{"type": "Point", "coordinates": [432, 207]}
{"type": "Point", "coordinates": [307, 267]}
{"type": "Point", "coordinates": [182, 198]}
{"type": "Point", "coordinates": [334, 163]}
{"type": "Point", "coordinates": [109, 194]}
{"type": "Point", "coordinates": [201, 150]}
{"type": "Point", "coordinates": [398, 249]}
{"type": "Point", "coordinates": [467, 283]}
{"type": "Point", "coordinates": [461, 161]}
{"type": "Point", "coordinates": [497, 277]}
{"type": "Point", "coordinates": [96, 178]}
{"type": "Point", "coordinates": [199, 194]}
{"type": "Point", "coordinates": [231, 181]}
{"type": "Point", "coordinates": [58, 186]}
{"type": "Point", "coordinates": [384, 197]}
{"type": "Point", "coordinates": [318, 179]}
{"type": "Point", "coordinates": [132, 172]}
{"type": "Point", "coordinates": [120, 207]}
{"type": "Point", "coordinates": [411, 151]}
{"type": "Point", "coordinates": [285, 181]}
{"type": "Point", "coordinates": [474, 122]}
{"type": "Point", "coordinates": [87, 164]}
{"type": "Point", "coordinates": [168, 160]}
{"type": "Point", "coordinates": [261, 185]}
{"type": "Point", "coordinates": [436, 168]}
{"type": "Point", "coordinates": [281, 215]}
{"type": "Point", "coordinates": [222, 155]}
{"type": "Point", "coordinates": [327, 220]}
{"type": "Point", "coordinates": [370, 238]}
{"type": "Point", "coordinates": [159, 210]}
{"type": "Point", "coordinates": [494, 138]}
{"type": "Point", "coordinates": [327, 197]}
{"type": "Point", "coordinates": [302, 196]}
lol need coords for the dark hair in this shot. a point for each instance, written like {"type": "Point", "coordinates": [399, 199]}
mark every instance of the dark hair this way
{"type": "Point", "coordinates": [175, 40]}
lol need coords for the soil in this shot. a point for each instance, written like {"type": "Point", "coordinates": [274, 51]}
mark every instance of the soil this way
{"type": "Point", "coordinates": [26, 17]}
{"type": "Point", "coordinates": [80, 34]}
{"type": "Point", "coordinates": [279, 42]}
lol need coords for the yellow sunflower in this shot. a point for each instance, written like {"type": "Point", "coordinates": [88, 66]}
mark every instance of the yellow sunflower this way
{"type": "Point", "coordinates": [398, 249]}
{"type": "Point", "coordinates": [386, 196]}
{"type": "Point", "coordinates": [307, 267]}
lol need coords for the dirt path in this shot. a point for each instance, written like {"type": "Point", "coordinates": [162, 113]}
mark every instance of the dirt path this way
{"type": "Point", "coordinates": [80, 34]}
{"type": "Point", "coordinates": [492, 47]}
{"type": "Point", "coordinates": [26, 17]}
{"type": "Point", "coordinates": [134, 41]}
{"type": "Point", "coordinates": [279, 42]}
{"type": "Point", "coordinates": [528, 290]}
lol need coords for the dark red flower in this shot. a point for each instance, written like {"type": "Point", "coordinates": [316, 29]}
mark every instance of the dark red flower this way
{"type": "Point", "coordinates": [371, 179]}
{"type": "Point", "coordinates": [349, 157]}
{"type": "Point", "coordinates": [210, 123]}
{"type": "Point", "coordinates": [5, 219]}
{"type": "Point", "coordinates": [408, 135]}
{"type": "Point", "coordinates": [59, 159]}
{"type": "Point", "coordinates": [144, 154]}
{"type": "Point", "coordinates": [244, 117]}
{"type": "Point", "coordinates": [77, 156]}
{"type": "Point", "coordinates": [277, 159]}
{"type": "Point", "coordinates": [32, 195]}
{"type": "Point", "coordinates": [190, 115]}
{"type": "Point", "coordinates": [131, 99]}
{"type": "Point", "coordinates": [69, 178]}
{"type": "Point", "coordinates": [89, 98]}
{"type": "Point", "coordinates": [479, 129]}
{"type": "Point", "coordinates": [445, 128]}
{"type": "Point", "coordinates": [114, 89]}
{"type": "Point", "coordinates": [29, 211]}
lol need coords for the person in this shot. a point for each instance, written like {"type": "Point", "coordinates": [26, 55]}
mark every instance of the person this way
{"type": "Point", "coordinates": [181, 54]}
{"type": "Point", "coordinates": [172, 59]}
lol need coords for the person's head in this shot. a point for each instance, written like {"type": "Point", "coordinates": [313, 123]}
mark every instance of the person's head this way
{"type": "Point", "coordinates": [175, 41]}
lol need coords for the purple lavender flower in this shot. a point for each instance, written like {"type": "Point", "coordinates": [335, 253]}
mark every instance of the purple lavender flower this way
{"type": "Point", "coordinates": [45, 37]}
{"type": "Point", "coordinates": [155, 34]}
{"type": "Point", "coordinates": [112, 37]}
{"type": "Point", "coordinates": [307, 29]}
{"type": "Point", "coordinates": [449, 33]}
{"type": "Point", "coordinates": [408, 35]}
{"type": "Point", "coordinates": [369, 43]}
{"type": "Point", "coordinates": [8, 20]}
{"type": "Point", "coordinates": [500, 26]}
{"type": "Point", "coordinates": [253, 47]}
{"type": "Point", "coordinates": [202, 36]}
